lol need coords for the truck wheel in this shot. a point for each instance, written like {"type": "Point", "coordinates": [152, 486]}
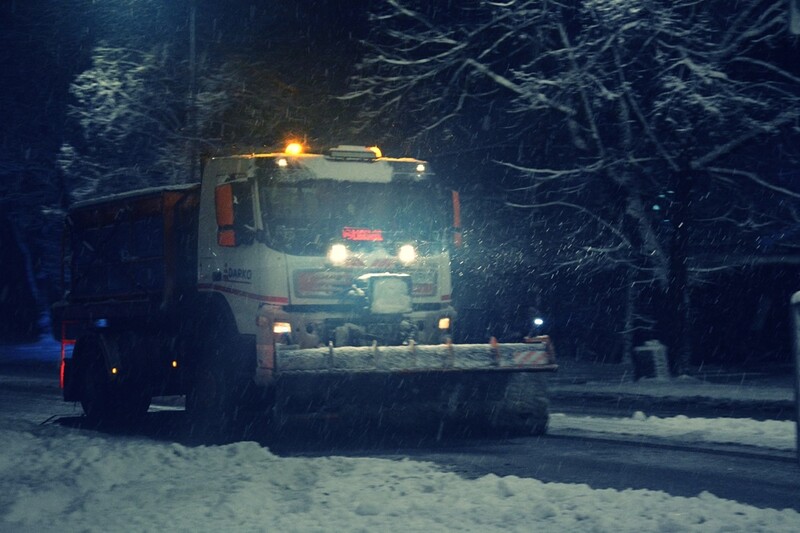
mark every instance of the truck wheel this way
{"type": "Point", "coordinates": [103, 399]}
{"type": "Point", "coordinates": [103, 402]}
{"type": "Point", "coordinates": [97, 398]}
{"type": "Point", "coordinates": [211, 399]}
{"type": "Point", "coordinates": [525, 408]}
{"type": "Point", "coordinates": [532, 425]}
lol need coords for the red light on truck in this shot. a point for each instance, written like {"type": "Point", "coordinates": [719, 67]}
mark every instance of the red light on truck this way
{"type": "Point", "coordinates": [362, 234]}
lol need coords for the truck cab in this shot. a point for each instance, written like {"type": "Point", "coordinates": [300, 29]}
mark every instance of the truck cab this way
{"type": "Point", "coordinates": [346, 247]}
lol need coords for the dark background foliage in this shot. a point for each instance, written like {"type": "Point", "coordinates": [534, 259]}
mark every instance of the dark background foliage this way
{"type": "Point", "coordinates": [99, 96]}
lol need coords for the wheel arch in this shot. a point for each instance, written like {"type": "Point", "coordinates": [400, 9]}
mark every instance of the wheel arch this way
{"type": "Point", "coordinates": [209, 316]}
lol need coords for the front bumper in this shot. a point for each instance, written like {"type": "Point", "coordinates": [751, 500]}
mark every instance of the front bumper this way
{"type": "Point", "coordinates": [536, 355]}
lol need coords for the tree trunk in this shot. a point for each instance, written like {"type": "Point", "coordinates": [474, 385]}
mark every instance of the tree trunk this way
{"type": "Point", "coordinates": [20, 313]}
{"type": "Point", "coordinates": [631, 296]}
{"type": "Point", "coordinates": [677, 293]}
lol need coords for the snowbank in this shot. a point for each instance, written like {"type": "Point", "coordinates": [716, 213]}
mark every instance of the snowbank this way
{"type": "Point", "coordinates": [774, 434]}
{"type": "Point", "coordinates": [61, 479]}
{"type": "Point", "coordinates": [683, 388]}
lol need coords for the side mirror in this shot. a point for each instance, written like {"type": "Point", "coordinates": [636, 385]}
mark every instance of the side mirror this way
{"type": "Point", "coordinates": [235, 217]}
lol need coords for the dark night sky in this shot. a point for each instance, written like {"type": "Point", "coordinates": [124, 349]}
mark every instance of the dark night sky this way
{"type": "Point", "coordinates": [44, 44]}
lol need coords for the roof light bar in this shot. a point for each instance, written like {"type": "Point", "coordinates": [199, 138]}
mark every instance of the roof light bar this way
{"type": "Point", "coordinates": [355, 153]}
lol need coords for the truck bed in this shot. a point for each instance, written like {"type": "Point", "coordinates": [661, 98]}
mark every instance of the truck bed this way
{"type": "Point", "coordinates": [136, 246]}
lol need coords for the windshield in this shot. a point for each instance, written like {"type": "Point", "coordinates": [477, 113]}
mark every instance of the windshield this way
{"type": "Point", "coordinates": [305, 217]}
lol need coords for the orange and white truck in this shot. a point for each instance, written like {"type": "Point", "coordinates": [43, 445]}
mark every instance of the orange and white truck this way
{"type": "Point", "coordinates": [308, 283]}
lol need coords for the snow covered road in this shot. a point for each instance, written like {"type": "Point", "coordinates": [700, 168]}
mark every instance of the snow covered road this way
{"type": "Point", "coordinates": [62, 478]}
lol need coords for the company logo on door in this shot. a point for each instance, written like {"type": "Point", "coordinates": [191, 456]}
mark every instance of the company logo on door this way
{"type": "Point", "coordinates": [238, 275]}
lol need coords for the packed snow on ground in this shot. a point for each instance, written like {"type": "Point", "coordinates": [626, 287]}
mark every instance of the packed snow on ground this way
{"type": "Point", "coordinates": [773, 434]}
{"type": "Point", "coordinates": [57, 478]}
{"type": "Point", "coordinates": [63, 479]}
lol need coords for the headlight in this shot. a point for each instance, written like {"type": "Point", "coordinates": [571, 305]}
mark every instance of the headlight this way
{"type": "Point", "coordinates": [281, 328]}
{"type": "Point", "coordinates": [282, 332]}
{"type": "Point", "coordinates": [407, 254]}
{"type": "Point", "coordinates": [444, 323]}
{"type": "Point", "coordinates": [338, 254]}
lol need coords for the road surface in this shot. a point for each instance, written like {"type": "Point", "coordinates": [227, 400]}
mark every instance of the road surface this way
{"type": "Point", "coordinates": [758, 477]}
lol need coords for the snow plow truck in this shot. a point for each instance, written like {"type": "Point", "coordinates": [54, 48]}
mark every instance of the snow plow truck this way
{"type": "Point", "coordinates": [299, 283]}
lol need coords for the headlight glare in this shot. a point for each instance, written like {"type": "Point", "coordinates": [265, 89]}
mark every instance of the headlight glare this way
{"type": "Point", "coordinates": [281, 328]}
{"type": "Point", "coordinates": [338, 254]}
{"type": "Point", "coordinates": [407, 254]}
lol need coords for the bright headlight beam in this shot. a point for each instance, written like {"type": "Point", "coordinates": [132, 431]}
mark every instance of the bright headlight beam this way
{"type": "Point", "coordinates": [281, 328]}
{"type": "Point", "coordinates": [338, 254]}
{"type": "Point", "coordinates": [407, 254]}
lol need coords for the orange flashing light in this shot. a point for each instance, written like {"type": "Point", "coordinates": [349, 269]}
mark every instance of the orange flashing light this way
{"type": "Point", "coordinates": [226, 237]}
{"type": "Point", "coordinates": [293, 148]}
{"type": "Point", "coordinates": [457, 237]}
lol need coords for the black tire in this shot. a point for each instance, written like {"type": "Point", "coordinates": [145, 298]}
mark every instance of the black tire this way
{"type": "Point", "coordinates": [214, 399]}
{"type": "Point", "coordinates": [534, 425]}
{"type": "Point", "coordinates": [525, 408]}
{"type": "Point", "coordinates": [105, 399]}
{"type": "Point", "coordinates": [96, 394]}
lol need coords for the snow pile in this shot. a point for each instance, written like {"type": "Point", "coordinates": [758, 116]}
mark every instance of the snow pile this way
{"type": "Point", "coordinates": [683, 388]}
{"type": "Point", "coordinates": [774, 434]}
{"type": "Point", "coordinates": [58, 479]}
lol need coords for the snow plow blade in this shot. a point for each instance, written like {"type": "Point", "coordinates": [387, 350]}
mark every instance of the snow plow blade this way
{"type": "Point", "coordinates": [535, 355]}
{"type": "Point", "coordinates": [487, 387]}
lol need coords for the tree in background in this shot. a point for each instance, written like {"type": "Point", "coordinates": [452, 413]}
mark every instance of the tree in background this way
{"type": "Point", "coordinates": [145, 109]}
{"type": "Point", "coordinates": [17, 291]}
{"type": "Point", "coordinates": [649, 138]}
{"type": "Point", "coordinates": [128, 110]}
{"type": "Point", "coordinates": [39, 52]}
{"type": "Point", "coordinates": [97, 98]}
